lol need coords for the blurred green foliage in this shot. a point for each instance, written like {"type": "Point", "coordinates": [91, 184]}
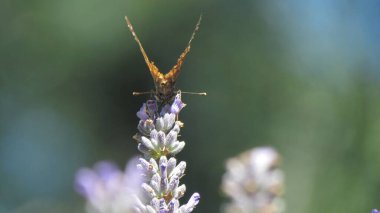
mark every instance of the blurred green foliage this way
{"type": "Point", "coordinates": [302, 76]}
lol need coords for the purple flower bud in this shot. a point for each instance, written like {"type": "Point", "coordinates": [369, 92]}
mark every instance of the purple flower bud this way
{"type": "Point", "coordinates": [164, 177]}
{"type": "Point", "coordinates": [148, 110]}
{"type": "Point", "coordinates": [152, 105]}
{"type": "Point", "coordinates": [194, 200]}
{"type": "Point", "coordinates": [142, 113]}
{"type": "Point", "coordinates": [177, 104]}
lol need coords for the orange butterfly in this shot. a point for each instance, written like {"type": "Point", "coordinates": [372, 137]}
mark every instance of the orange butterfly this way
{"type": "Point", "coordinates": [164, 83]}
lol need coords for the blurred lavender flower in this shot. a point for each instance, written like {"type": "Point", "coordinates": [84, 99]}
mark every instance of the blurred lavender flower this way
{"type": "Point", "coordinates": [157, 138]}
{"type": "Point", "coordinates": [254, 182]}
{"type": "Point", "coordinates": [375, 211]}
{"type": "Point", "coordinates": [107, 189]}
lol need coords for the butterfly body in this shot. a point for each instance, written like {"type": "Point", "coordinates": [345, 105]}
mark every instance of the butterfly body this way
{"type": "Point", "coordinates": [164, 83]}
{"type": "Point", "coordinates": [164, 88]}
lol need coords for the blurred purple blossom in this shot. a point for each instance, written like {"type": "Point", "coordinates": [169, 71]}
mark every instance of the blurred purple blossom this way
{"type": "Point", "coordinates": [106, 188]}
{"type": "Point", "coordinates": [142, 113]}
{"type": "Point", "coordinates": [254, 182]}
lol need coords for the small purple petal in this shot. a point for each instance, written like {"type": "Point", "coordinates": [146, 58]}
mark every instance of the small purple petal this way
{"type": "Point", "coordinates": [152, 107]}
{"type": "Point", "coordinates": [85, 179]}
{"type": "Point", "coordinates": [177, 104]}
{"type": "Point", "coordinates": [142, 113]}
{"type": "Point", "coordinates": [375, 211]}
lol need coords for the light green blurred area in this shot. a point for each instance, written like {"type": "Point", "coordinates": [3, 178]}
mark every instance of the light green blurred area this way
{"type": "Point", "coordinates": [302, 76]}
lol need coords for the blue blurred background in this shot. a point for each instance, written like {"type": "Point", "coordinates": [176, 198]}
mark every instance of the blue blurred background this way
{"type": "Point", "coordinates": [302, 76]}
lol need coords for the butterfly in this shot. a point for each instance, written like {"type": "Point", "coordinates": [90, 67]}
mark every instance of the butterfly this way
{"type": "Point", "coordinates": [164, 83]}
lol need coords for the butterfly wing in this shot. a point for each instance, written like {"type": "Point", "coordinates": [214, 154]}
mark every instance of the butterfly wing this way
{"type": "Point", "coordinates": [174, 72]}
{"type": "Point", "coordinates": [154, 71]}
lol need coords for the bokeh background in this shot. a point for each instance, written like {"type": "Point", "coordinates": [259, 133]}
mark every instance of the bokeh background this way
{"type": "Point", "coordinates": [301, 76]}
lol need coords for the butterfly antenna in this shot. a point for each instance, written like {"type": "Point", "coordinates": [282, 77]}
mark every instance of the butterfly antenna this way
{"type": "Point", "coordinates": [142, 93]}
{"type": "Point", "coordinates": [195, 30]}
{"type": "Point", "coordinates": [195, 93]}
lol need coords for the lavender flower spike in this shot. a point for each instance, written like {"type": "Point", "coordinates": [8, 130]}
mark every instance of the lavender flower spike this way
{"type": "Point", "coordinates": [254, 182]}
{"type": "Point", "coordinates": [158, 140]}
